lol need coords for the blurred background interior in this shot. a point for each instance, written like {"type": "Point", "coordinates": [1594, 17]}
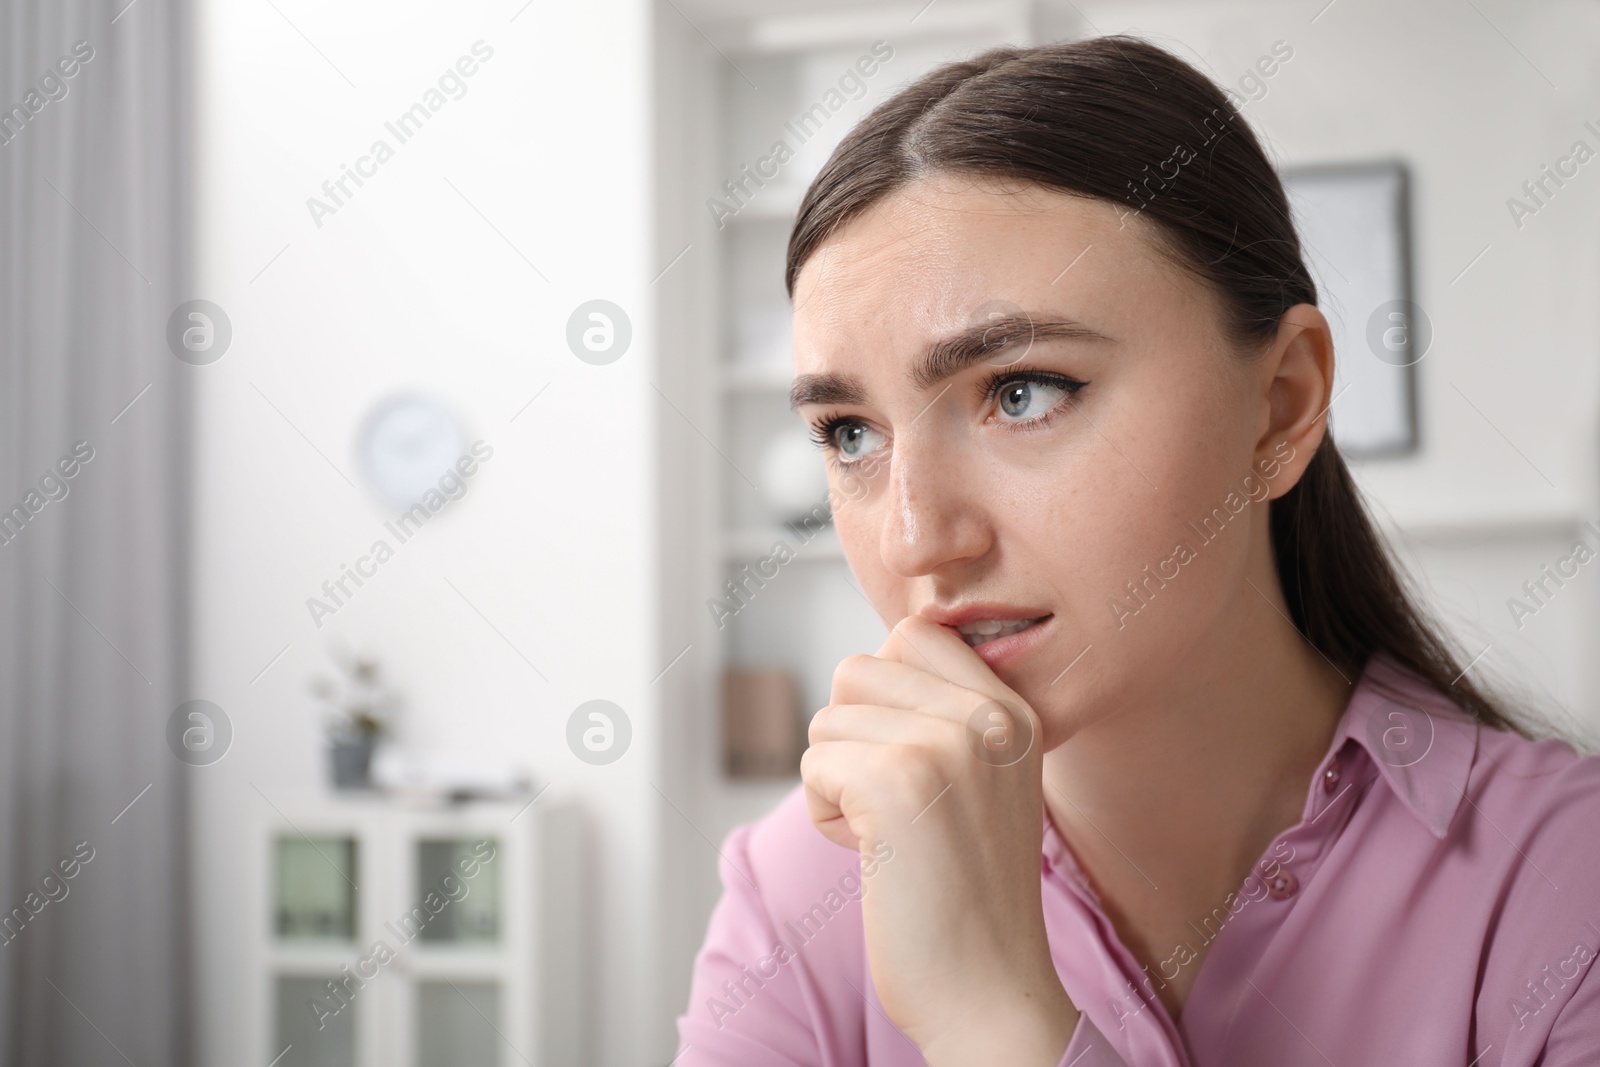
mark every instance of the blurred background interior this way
{"type": "Point", "coordinates": [411, 568]}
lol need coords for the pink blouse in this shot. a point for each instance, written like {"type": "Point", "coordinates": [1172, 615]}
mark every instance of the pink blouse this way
{"type": "Point", "coordinates": [1437, 904]}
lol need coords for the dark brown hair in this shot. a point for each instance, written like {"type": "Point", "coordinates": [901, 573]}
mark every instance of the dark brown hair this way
{"type": "Point", "coordinates": [1113, 118]}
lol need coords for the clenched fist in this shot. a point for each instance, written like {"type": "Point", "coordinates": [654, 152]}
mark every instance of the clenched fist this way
{"type": "Point", "coordinates": [923, 746]}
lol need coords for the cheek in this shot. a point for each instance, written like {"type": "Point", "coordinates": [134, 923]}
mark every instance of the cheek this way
{"type": "Point", "coordinates": [858, 532]}
{"type": "Point", "coordinates": [861, 518]}
{"type": "Point", "coordinates": [1131, 607]}
{"type": "Point", "coordinates": [1134, 536]}
{"type": "Point", "coordinates": [1165, 556]}
{"type": "Point", "coordinates": [858, 518]}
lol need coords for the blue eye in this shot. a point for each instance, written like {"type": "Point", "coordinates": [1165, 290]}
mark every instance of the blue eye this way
{"type": "Point", "coordinates": [855, 440]}
{"type": "Point", "coordinates": [1023, 398]}
{"type": "Point", "coordinates": [849, 439]}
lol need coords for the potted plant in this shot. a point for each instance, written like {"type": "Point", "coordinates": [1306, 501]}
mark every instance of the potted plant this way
{"type": "Point", "coordinates": [357, 718]}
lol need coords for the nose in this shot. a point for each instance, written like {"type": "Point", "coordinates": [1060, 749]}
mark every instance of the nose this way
{"type": "Point", "coordinates": [934, 515]}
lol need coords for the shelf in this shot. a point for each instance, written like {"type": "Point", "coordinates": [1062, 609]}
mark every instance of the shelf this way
{"type": "Point", "coordinates": [1476, 521]}
{"type": "Point", "coordinates": [812, 31]}
{"type": "Point", "coordinates": [748, 545]}
{"type": "Point", "coordinates": [289, 958]}
{"type": "Point", "coordinates": [770, 203]}
{"type": "Point", "coordinates": [756, 378]}
{"type": "Point", "coordinates": [430, 960]}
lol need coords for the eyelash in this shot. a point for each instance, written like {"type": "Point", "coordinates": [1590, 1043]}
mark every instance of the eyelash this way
{"type": "Point", "coordinates": [824, 430]}
{"type": "Point", "coordinates": [989, 388]}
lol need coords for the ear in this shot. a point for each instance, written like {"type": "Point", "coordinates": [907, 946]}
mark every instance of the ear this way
{"type": "Point", "coordinates": [1297, 373]}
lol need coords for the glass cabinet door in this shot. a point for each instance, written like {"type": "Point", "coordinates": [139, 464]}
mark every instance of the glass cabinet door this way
{"type": "Point", "coordinates": [458, 1024]}
{"type": "Point", "coordinates": [458, 886]}
{"type": "Point", "coordinates": [314, 886]}
{"type": "Point", "coordinates": [312, 1026]}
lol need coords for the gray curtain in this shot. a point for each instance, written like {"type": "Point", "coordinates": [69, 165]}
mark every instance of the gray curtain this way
{"type": "Point", "coordinates": [93, 187]}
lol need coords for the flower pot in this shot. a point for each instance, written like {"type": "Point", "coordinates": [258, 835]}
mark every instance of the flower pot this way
{"type": "Point", "coordinates": [351, 762]}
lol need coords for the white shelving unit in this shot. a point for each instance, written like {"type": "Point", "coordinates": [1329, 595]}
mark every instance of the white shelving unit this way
{"type": "Point", "coordinates": [452, 936]}
{"type": "Point", "coordinates": [802, 79]}
{"type": "Point", "coordinates": [726, 365]}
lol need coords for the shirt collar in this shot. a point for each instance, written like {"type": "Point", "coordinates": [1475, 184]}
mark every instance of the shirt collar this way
{"type": "Point", "coordinates": [1422, 744]}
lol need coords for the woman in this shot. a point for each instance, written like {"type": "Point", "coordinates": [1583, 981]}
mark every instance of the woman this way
{"type": "Point", "coordinates": [1159, 764]}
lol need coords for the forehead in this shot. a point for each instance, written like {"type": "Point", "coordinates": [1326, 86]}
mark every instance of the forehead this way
{"type": "Point", "coordinates": [926, 259]}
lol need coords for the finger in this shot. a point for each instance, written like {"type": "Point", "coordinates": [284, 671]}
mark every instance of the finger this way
{"type": "Point", "coordinates": [856, 789]}
{"type": "Point", "coordinates": [863, 679]}
{"type": "Point", "coordinates": [837, 829]}
{"type": "Point", "coordinates": [824, 785]}
{"type": "Point", "coordinates": [920, 642]}
{"type": "Point", "coordinates": [882, 725]}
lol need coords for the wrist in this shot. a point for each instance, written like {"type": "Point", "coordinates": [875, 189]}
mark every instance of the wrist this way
{"type": "Point", "coordinates": [1030, 1027]}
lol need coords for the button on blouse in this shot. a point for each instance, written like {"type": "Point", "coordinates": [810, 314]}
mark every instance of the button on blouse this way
{"type": "Point", "coordinates": [1330, 778]}
{"type": "Point", "coordinates": [1282, 885]}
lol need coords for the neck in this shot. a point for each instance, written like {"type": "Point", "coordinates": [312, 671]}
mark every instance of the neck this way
{"type": "Point", "coordinates": [1168, 800]}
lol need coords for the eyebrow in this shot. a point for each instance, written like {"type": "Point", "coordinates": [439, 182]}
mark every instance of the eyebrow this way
{"type": "Point", "coordinates": [946, 357]}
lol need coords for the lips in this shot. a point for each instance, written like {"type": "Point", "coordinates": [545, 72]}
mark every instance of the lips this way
{"type": "Point", "coordinates": [1001, 634]}
{"type": "Point", "coordinates": [982, 631]}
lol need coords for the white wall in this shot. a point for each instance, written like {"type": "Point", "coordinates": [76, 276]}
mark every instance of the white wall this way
{"type": "Point", "coordinates": [1475, 97]}
{"type": "Point", "coordinates": [408, 287]}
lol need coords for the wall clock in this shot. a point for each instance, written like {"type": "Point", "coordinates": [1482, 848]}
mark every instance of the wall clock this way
{"type": "Point", "coordinates": [407, 443]}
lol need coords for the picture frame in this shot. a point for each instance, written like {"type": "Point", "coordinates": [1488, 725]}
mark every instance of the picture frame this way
{"type": "Point", "coordinates": [1354, 221]}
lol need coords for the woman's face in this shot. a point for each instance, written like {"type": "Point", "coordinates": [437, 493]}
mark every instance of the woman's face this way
{"type": "Point", "coordinates": [1026, 408]}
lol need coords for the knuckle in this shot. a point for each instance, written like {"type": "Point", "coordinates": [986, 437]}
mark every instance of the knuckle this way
{"type": "Point", "coordinates": [849, 667]}
{"type": "Point", "coordinates": [913, 769]}
{"type": "Point", "coordinates": [911, 622]}
{"type": "Point", "coordinates": [819, 723]}
{"type": "Point", "coordinates": [952, 734]}
{"type": "Point", "coordinates": [808, 765]}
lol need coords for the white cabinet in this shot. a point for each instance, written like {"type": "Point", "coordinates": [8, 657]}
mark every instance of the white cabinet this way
{"type": "Point", "coordinates": [394, 936]}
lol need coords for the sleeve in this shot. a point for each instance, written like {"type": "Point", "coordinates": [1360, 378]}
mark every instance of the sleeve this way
{"type": "Point", "coordinates": [750, 999]}
{"type": "Point", "coordinates": [1574, 1039]}
{"type": "Point", "coordinates": [1089, 1048]}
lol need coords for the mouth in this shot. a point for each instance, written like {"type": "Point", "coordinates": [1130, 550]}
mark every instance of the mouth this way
{"type": "Point", "coordinates": [980, 632]}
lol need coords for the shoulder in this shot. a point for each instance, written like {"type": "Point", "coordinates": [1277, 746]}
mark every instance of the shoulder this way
{"type": "Point", "coordinates": [1544, 789]}
{"type": "Point", "coordinates": [1532, 813]}
{"type": "Point", "coordinates": [785, 930]}
{"type": "Point", "coordinates": [800, 894]}
{"type": "Point", "coordinates": [1486, 789]}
